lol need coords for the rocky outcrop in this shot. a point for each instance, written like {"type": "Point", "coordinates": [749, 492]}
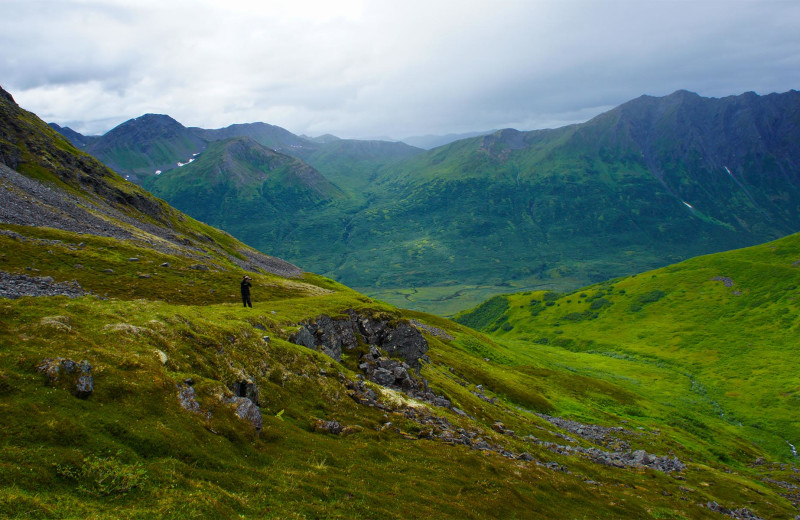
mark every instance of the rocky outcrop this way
{"type": "Point", "coordinates": [333, 335]}
{"type": "Point", "coordinates": [327, 335]}
{"type": "Point", "coordinates": [186, 397]}
{"type": "Point", "coordinates": [741, 514]}
{"type": "Point", "coordinates": [433, 331]}
{"type": "Point", "coordinates": [68, 374]}
{"type": "Point", "coordinates": [617, 459]}
{"type": "Point", "coordinates": [388, 372]}
{"type": "Point", "coordinates": [18, 285]}
{"type": "Point", "coordinates": [333, 427]}
{"type": "Point", "coordinates": [397, 375]}
{"type": "Point", "coordinates": [604, 435]}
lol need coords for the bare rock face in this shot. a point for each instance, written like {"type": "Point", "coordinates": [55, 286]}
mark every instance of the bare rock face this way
{"type": "Point", "coordinates": [331, 335]}
{"type": "Point", "coordinates": [327, 335]}
{"type": "Point", "coordinates": [66, 373]}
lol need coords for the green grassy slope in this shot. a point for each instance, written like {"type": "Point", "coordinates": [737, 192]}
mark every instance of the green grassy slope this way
{"type": "Point", "coordinates": [155, 320]}
{"type": "Point", "coordinates": [252, 191]}
{"type": "Point", "coordinates": [129, 450]}
{"type": "Point", "coordinates": [722, 330]}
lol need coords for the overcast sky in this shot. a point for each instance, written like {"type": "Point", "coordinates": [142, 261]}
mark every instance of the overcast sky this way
{"type": "Point", "coordinates": [394, 68]}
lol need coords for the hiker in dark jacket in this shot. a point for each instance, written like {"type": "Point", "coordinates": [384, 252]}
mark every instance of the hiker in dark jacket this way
{"type": "Point", "coordinates": [246, 291]}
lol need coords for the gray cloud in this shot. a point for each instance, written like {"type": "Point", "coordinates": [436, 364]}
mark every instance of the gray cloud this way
{"type": "Point", "coordinates": [360, 68]}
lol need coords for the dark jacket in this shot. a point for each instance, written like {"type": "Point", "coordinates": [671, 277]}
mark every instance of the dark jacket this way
{"type": "Point", "coordinates": [246, 287]}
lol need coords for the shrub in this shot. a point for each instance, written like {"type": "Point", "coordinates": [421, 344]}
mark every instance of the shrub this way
{"type": "Point", "coordinates": [644, 299]}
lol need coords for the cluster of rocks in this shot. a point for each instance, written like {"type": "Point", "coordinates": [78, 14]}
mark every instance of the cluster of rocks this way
{"type": "Point", "coordinates": [740, 514]}
{"type": "Point", "coordinates": [617, 459]}
{"type": "Point", "coordinates": [603, 435]}
{"type": "Point", "coordinates": [247, 410]}
{"type": "Point", "coordinates": [727, 282]}
{"type": "Point", "coordinates": [71, 375]}
{"type": "Point", "coordinates": [187, 399]}
{"type": "Point", "coordinates": [478, 392]}
{"type": "Point", "coordinates": [792, 492]}
{"type": "Point", "coordinates": [244, 407]}
{"type": "Point", "coordinates": [362, 394]}
{"type": "Point", "coordinates": [397, 376]}
{"type": "Point", "coordinates": [14, 286]}
{"type": "Point", "coordinates": [334, 427]}
{"type": "Point", "coordinates": [441, 429]}
{"type": "Point", "coordinates": [333, 335]}
{"type": "Point", "coordinates": [430, 329]}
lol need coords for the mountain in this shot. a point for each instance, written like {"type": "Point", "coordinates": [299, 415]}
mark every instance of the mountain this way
{"type": "Point", "coordinates": [352, 163]}
{"type": "Point", "coordinates": [76, 138]}
{"type": "Point", "coordinates": [271, 136]}
{"type": "Point", "coordinates": [133, 384]}
{"type": "Point", "coordinates": [240, 185]}
{"type": "Point", "coordinates": [434, 141]}
{"type": "Point", "coordinates": [719, 331]}
{"type": "Point", "coordinates": [649, 183]}
{"type": "Point", "coordinates": [652, 182]}
{"type": "Point", "coordinates": [139, 147]}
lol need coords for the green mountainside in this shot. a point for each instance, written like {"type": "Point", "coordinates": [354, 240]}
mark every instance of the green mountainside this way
{"type": "Point", "coordinates": [239, 184]}
{"type": "Point", "coordinates": [134, 385]}
{"type": "Point", "coordinates": [720, 330]}
{"type": "Point", "coordinates": [652, 182]}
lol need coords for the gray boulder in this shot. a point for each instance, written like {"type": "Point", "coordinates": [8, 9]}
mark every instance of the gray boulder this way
{"type": "Point", "coordinates": [66, 373]}
{"type": "Point", "coordinates": [333, 427]}
{"type": "Point", "coordinates": [248, 411]}
{"type": "Point", "coordinates": [326, 335]}
{"type": "Point", "coordinates": [186, 397]}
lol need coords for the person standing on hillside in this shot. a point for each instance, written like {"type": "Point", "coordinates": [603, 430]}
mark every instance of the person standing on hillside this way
{"type": "Point", "coordinates": [246, 291]}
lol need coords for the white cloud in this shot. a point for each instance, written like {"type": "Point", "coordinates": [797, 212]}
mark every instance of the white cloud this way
{"type": "Point", "coordinates": [381, 67]}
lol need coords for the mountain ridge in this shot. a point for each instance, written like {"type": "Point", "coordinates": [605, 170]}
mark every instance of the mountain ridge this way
{"type": "Point", "coordinates": [651, 182]}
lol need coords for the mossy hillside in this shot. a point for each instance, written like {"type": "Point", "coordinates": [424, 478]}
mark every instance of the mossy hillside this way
{"type": "Point", "coordinates": [174, 464]}
{"type": "Point", "coordinates": [122, 269]}
{"type": "Point", "coordinates": [722, 329]}
{"type": "Point", "coordinates": [129, 450]}
{"type": "Point", "coordinates": [30, 146]}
